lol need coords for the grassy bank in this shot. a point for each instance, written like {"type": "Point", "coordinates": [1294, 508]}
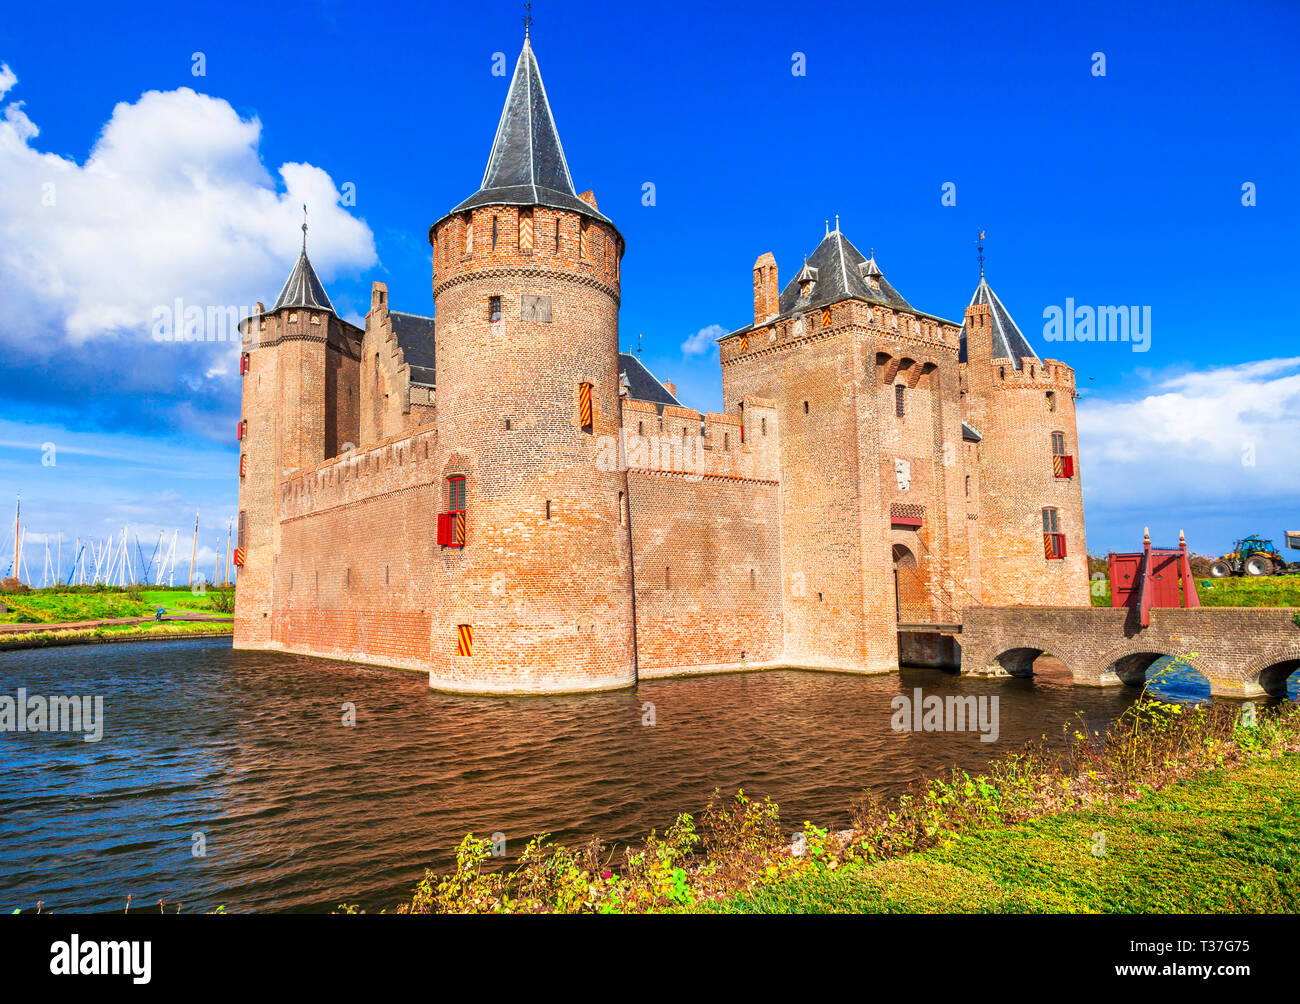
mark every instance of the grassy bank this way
{"type": "Point", "coordinates": [1199, 812]}
{"type": "Point", "coordinates": [1224, 842]}
{"type": "Point", "coordinates": [1264, 591]}
{"type": "Point", "coordinates": [148, 630]}
{"type": "Point", "coordinates": [57, 605]}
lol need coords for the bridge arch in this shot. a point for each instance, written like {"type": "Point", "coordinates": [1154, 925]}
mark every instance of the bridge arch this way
{"type": "Point", "coordinates": [1129, 663]}
{"type": "Point", "coordinates": [1016, 656]}
{"type": "Point", "coordinates": [1270, 670]}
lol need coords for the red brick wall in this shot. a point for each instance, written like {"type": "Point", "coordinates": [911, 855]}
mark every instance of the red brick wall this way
{"type": "Point", "coordinates": [708, 570]}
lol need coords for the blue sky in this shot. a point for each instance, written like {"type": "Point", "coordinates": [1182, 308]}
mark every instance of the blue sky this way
{"type": "Point", "coordinates": [1116, 189]}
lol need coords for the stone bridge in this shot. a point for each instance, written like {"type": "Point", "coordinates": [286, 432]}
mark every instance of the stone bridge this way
{"type": "Point", "coordinates": [1242, 651]}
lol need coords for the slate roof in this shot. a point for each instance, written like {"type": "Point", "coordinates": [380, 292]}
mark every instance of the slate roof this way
{"type": "Point", "coordinates": [642, 384]}
{"type": "Point", "coordinates": [841, 273]}
{"type": "Point", "coordinates": [414, 334]}
{"type": "Point", "coordinates": [303, 288]}
{"type": "Point", "coordinates": [1008, 341]}
{"type": "Point", "coordinates": [527, 165]}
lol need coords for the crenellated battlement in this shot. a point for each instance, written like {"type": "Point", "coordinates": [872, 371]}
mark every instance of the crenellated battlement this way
{"type": "Point", "coordinates": [674, 440]}
{"type": "Point", "coordinates": [399, 462]}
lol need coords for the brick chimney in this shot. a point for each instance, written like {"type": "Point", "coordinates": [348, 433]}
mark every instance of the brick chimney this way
{"type": "Point", "coordinates": [672, 387]}
{"type": "Point", "coordinates": [766, 290]}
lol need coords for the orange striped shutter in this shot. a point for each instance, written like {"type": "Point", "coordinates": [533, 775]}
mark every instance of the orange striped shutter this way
{"type": "Point", "coordinates": [239, 557]}
{"type": "Point", "coordinates": [584, 405]}
{"type": "Point", "coordinates": [1047, 545]}
{"type": "Point", "coordinates": [465, 639]}
{"type": "Point", "coordinates": [826, 318]}
{"type": "Point", "coordinates": [459, 538]}
{"type": "Point", "coordinates": [1058, 465]}
{"type": "Point", "coordinates": [744, 343]}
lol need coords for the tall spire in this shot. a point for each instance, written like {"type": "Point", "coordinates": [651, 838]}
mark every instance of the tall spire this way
{"type": "Point", "coordinates": [303, 288]}
{"type": "Point", "coordinates": [527, 166]}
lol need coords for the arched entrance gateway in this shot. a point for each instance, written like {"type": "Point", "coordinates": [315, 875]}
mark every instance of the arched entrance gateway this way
{"type": "Point", "coordinates": [911, 595]}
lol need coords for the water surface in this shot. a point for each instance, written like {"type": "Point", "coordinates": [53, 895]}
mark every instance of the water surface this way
{"type": "Point", "coordinates": [301, 813]}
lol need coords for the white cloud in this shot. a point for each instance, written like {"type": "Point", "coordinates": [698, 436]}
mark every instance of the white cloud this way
{"type": "Point", "coordinates": [1203, 437]}
{"type": "Point", "coordinates": [703, 341]}
{"type": "Point", "coordinates": [173, 201]}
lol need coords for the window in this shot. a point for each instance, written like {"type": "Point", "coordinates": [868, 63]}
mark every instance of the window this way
{"type": "Point", "coordinates": [805, 407]}
{"type": "Point", "coordinates": [585, 413]}
{"type": "Point", "coordinates": [968, 486]}
{"type": "Point", "coordinates": [469, 233]}
{"type": "Point", "coordinates": [494, 233]}
{"type": "Point", "coordinates": [526, 231]}
{"type": "Point", "coordinates": [584, 241]}
{"type": "Point", "coordinates": [451, 524]}
{"type": "Point", "coordinates": [898, 400]}
{"type": "Point", "coordinates": [243, 524]}
{"type": "Point", "coordinates": [1051, 400]}
{"type": "Point", "coordinates": [622, 513]}
{"type": "Point", "coordinates": [1053, 539]}
{"type": "Point", "coordinates": [494, 308]}
{"type": "Point", "coordinates": [763, 426]}
{"type": "Point", "coordinates": [1062, 462]}
{"type": "Point", "coordinates": [726, 441]}
{"type": "Point", "coordinates": [548, 508]}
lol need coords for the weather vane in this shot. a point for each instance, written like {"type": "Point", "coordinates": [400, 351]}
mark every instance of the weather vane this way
{"type": "Point", "coordinates": [527, 18]}
{"type": "Point", "coordinates": [304, 228]}
{"type": "Point", "coordinates": [979, 243]}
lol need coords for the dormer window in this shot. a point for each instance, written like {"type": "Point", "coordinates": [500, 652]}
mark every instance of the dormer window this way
{"type": "Point", "coordinates": [807, 280]}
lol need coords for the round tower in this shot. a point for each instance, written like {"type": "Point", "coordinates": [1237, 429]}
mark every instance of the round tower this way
{"type": "Point", "coordinates": [533, 533]}
{"type": "Point", "coordinates": [1031, 541]}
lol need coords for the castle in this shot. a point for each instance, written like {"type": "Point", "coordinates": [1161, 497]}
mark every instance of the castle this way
{"type": "Point", "coordinates": [502, 499]}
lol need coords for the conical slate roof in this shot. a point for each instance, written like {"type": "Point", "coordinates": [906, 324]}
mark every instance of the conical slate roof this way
{"type": "Point", "coordinates": [303, 288]}
{"type": "Point", "coordinates": [527, 165]}
{"type": "Point", "coordinates": [1008, 341]}
{"type": "Point", "coordinates": [841, 272]}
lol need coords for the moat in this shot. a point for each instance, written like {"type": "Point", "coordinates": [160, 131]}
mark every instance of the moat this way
{"type": "Point", "coordinates": [299, 812]}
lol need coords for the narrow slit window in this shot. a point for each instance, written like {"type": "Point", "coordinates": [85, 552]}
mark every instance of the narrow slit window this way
{"type": "Point", "coordinates": [494, 308]}
{"type": "Point", "coordinates": [898, 400]}
{"type": "Point", "coordinates": [586, 416]}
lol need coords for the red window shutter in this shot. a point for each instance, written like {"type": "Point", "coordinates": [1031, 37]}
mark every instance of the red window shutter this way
{"type": "Point", "coordinates": [239, 429]}
{"type": "Point", "coordinates": [1060, 545]}
{"type": "Point", "coordinates": [243, 364]}
{"type": "Point", "coordinates": [1069, 467]}
{"type": "Point", "coordinates": [442, 528]}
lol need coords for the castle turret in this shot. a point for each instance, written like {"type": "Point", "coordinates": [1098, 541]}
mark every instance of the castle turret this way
{"type": "Point", "coordinates": [534, 543]}
{"type": "Point", "coordinates": [299, 361]}
{"type": "Point", "coordinates": [1030, 539]}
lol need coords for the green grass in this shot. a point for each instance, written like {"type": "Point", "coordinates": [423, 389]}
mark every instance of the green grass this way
{"type": "Point", "coordinates": [1264, 591]}
{"type": "Point", "coordinates": [1227, 841]}
{"type": "Point", "coordinates": [39, 639]}
{"type": "Point", "coordinates": [53, 605]}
